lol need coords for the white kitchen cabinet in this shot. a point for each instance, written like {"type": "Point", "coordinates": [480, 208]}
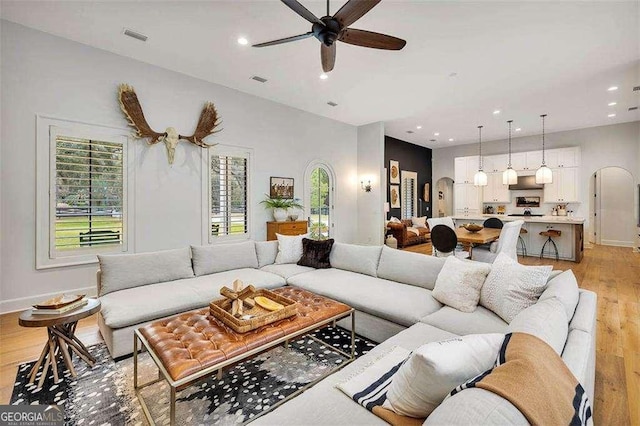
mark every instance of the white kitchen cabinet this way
{"type": "Point", "coordinates": [495, 191]}
{"type": "Point", "coordinates": [526, 160]}
{"type": "Point", "coordinates": [564, 186]}
{"type": "Point", "coordinates": [465, 169]}
{"type": "Point", "coordinates": [495, 163]}
{"type": "Point", "coordinates": [466, 199]}
{"type": "Point", "coordinates": [563, 157]}
{"type": "Point", "coordinates": [565, 242]}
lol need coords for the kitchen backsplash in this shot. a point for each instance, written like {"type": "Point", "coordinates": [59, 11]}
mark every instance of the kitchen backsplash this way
{"type": "Point", "coordinates": [544, 209]}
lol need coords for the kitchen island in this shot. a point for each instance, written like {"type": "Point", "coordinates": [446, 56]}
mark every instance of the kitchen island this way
{"type": "Point", "coordinates": [570, 243]}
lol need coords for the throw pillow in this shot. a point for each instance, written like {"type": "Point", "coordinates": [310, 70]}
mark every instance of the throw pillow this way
{"type": "Point", "coordinates": [459, 282]}
{"type": "Point", "coordinates": [510, 287]}
{"type": "Point", "coordinates": [432, 370]}
{"type": "Point", "coordinates": [395, 220]}
{"type": "Point", "coordinates": [316, 253]}
{"type": "Point", "coordinates": [419, 222]}
{"type": "Point", "coordinates": [289, 248]}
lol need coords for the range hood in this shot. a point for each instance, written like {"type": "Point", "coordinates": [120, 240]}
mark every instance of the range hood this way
{"type": "Point", "coordinates": [526, 182]}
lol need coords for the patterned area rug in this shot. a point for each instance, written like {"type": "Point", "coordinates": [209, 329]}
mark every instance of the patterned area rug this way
{"type": "Point", "coordinates": [104, 394]}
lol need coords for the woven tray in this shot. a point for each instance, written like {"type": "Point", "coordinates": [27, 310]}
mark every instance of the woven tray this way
{"type": "Point", "coordinates": [262, 315]}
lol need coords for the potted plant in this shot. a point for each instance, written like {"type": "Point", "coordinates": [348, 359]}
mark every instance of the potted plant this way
{"type": "Point", "coordinates": [280, 206]}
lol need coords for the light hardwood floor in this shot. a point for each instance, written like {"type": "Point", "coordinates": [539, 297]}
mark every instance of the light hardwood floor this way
{"type": "Point", "coordinates": [612, 272]}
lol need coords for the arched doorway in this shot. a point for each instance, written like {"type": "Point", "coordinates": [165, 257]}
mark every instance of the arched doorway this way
{"type": "Point", "coordinates": [444, 197]}
{"type": "Point", "coordinates": [319, 193]}
{"type": "Point", "coordinates": [612, 207]}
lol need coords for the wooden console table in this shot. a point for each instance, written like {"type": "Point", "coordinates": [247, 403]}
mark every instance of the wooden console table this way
{"type": "Point", "coordinates": [296, 227]}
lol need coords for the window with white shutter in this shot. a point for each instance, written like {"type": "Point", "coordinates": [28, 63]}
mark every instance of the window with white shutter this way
{"type": "Point", "coordinates": [84, 210]}
{"type": "Point", "coordinates": [409, 194]}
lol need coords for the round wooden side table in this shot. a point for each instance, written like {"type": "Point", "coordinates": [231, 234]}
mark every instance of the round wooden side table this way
{"type": "Point", "coordinates": [62, 342]}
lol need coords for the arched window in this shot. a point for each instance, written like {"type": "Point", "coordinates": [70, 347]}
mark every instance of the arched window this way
{"type": "Point", "coordinates": [319, 188]}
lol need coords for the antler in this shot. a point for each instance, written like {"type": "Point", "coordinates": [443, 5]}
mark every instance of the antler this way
{"type": "Point", "coordinates": [206, 125]}
{"type": "Point", "coordinates": [133, 111]}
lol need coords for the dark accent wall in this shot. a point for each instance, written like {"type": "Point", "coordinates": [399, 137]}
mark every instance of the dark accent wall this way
{"type": "Point", "coordinates": [412, 158]}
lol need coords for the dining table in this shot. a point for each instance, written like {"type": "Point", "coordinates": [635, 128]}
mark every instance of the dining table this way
{"type": "Point", "coordinates": [470, 239]}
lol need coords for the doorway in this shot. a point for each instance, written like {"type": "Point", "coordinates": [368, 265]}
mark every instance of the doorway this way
{"type": "Point", "coordinates": [612, 207]}
{"type": "Point", "coordinates": [444, 186]}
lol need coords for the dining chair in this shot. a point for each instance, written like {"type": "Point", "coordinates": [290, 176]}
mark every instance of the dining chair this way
{"type": "Point", "coordinates": [507, 243]}
{"type": "Point", "coordinates": [435, 221]}
{"type": "Point", "coordinates": [445, 241]}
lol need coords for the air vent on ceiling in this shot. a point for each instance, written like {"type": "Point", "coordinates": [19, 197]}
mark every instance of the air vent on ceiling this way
{"type": "Point", "coordinates": [635, 108]}
{"type": "Point", "coordinates": [258, 78]}
{"type": "Point", "coordinates": [332, 103]}
{"type": "Point", "coordinates": [135, 35]}
{"type": "Point", "coordinates": [636, 88]}
{"type": "Point", "coordinates": [409, 131]}
{"type": "Point", "coordinates": [432, 140]}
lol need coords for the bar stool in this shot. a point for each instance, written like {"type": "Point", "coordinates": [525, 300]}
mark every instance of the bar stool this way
{"type": "Point", "coordinates": [549, 233]}
{"type": "Point", "coordinates": [521, 241]}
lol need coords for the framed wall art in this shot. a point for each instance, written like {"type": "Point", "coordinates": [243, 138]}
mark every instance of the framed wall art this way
{"type": "Point", "coordinates": [281, 187]}
{"type": "Point", "coordinates": [394, 195]}
{"type": "Point", "coordinates": [394, 171]}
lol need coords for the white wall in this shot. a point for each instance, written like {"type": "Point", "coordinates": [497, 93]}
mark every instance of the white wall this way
{"type": "Point", "coordinates": [371, 167]}
{"type": "Point", "coordinates": [43, 74]}
{"type": "Point", "coordinates": [615, 191]}
{"type": "Point", "coordinates": [615, 145]}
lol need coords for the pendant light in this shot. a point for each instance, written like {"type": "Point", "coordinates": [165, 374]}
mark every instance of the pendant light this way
{"type": "Point", "coordinates": [480, 178]}
{"type": "Point", "coordinates": [543, 174]}
{"type": "Point", "coordinates": [509, 176]}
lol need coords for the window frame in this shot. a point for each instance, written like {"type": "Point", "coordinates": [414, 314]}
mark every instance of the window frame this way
{"type": "Point", "coordinates": [404, 176]}
{"type": "Point", "coordinates": [48, 128]}
{"type": "Point", "coordinates": [229, 151]}
{"type": "Point", "coordinates": [332, 192]}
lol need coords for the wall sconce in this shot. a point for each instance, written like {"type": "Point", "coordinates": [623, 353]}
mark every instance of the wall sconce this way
{"type": "Point", "coordinates": [367, 187]}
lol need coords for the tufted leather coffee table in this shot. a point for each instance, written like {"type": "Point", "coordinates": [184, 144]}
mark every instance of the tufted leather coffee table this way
{"type": "Point", "coordinates": [191, 346]}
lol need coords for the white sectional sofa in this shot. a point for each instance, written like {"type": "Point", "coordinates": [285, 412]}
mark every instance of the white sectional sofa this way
{"type": "Point", "coordinates": [391, 292]}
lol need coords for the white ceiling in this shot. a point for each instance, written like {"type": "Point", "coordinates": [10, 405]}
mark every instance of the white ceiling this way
{"type": "Point", "coordinates": [523, 58]}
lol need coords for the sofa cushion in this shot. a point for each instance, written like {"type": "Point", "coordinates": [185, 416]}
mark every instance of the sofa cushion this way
{"type": "Point", "coordinates": [409, 268]}
{"type": "Point", "coordinates": [546, 320]}
{"type": "Point", "coordinates": [584, 317]}
{"type": "Point", "coordinates": [564, 287]}
{"type": "Point", "coordinates": [476, 406]}
{"type": "Point", "coordinates": [224, 257]}
{"type": "Point", "coordinates": [267, 252]}
{"type": "Point", "coordinates": [400, 303]}
{"type": "Point", "coordinates": [434, 369]}
{"type": "Point", "coordinates": [289, 248]}
{"type": "Point", "coordinates": [355, 258]}
{"type": "Point", "coordinates": [316, 253]}
{"type": "Point", "coordinates": [459, 283]}
{"type": "Point", "coordinates": [136, 305]}
{"type": "Point", "coordinates": [122, 271]}
{"type": "Point", "coordinates": [479, 321]}
{"type": "Point", "coordinates": [286, 270]}
{"type": "Point", "coordinates": [511, 287]}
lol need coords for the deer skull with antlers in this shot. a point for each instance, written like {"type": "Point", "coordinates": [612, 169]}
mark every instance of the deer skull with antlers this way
{"type": "Point", "coordinates": [133, 111]}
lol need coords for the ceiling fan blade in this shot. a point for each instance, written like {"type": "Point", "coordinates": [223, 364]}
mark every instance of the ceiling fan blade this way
{"type": "Point", "coordinates": [354, 10]}
{"type": "Point", "coordinates": [328, 56]}
{"type": "Point", "coordinates": [370, 39]}
{"type": "Point", "coordinates": [302, 11]}
{"type": "Point", "coordinates": [284, 40]}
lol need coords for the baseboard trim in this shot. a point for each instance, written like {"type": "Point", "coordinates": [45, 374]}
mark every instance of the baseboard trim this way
{"type": "Point", "coordinates": [22, 303]}
{"type": "Point", "coordinates": [617, 243]}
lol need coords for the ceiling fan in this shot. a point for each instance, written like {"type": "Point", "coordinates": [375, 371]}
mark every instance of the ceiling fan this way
{"type": "Point", "coordinates": [329, 28]}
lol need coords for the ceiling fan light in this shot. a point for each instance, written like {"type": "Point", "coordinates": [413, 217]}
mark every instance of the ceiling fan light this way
{"type": "Point", "coordinates": [509, 177]}
{"type": "Point", "coordinates": [480, 178]}
{"type": "Point", "coordinates": [544, 175]}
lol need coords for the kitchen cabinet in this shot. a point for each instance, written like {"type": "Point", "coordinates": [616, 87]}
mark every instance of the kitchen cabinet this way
{"type": "Point", "coordinates": [565, 242]}
{"type": "Point", "coordinates": [465, 168]}
{"type": "Point", "coordinates": [526, 160]}
{"type": "Point", "coordinates": [495, 191]}
{"type": "Point", "coordinates": [495, 163]}
{"type": "Point", "coordinates": [564, 186]}
{"type": "Point", "coordinates": [563, 157]}
{"type": "Point", "coordinates": [466, 199]}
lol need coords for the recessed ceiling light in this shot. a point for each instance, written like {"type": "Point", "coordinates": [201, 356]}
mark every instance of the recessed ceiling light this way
{"type": "Point", "coordinates": [611, 115]}
{"type": "Point", "coordinates": [496, 112]}
{"type": "Point", "coordinates": [323, 76]}
{"type": "Point", "coordinates": [612, 88]}
{"type": "Point", "coordinates": [436, 134]}
{"type": "Point", "coordinates": [518, 129]}
{"type": "Point", "coordinates": [243, 41]}
{"type": "Point", "coordinates": [612, 103]}
{"type": "Point", "coordinates": [418, 127]}
{"type": "Point", "coordinates": [450, 139]}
